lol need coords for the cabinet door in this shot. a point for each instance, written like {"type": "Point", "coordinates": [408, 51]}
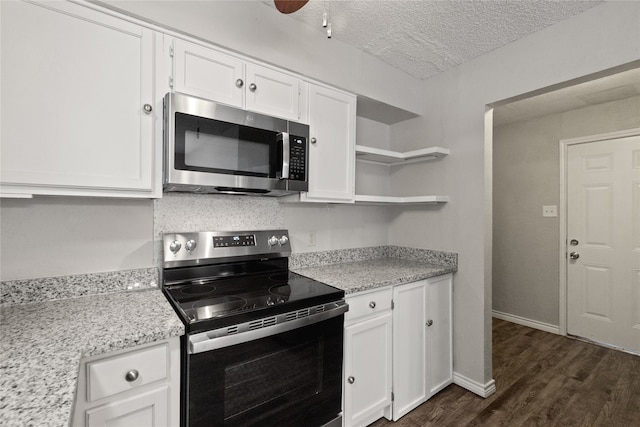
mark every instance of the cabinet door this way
{"type": "Point", "coordinates": [409, 347]}
{"type": "Point", "coordinates": [209, 74]}
{"type": "Point", "coordinates": [142, 410]}
{"type": "Point", "coordinates": [272, 92]}
{"type": "Point", "coordinates": [439, 333]}
{"type": "Point", "coordinates": [74, 85]}
{"type": "Point", "coordinates": [367, 369]}
{"type": "Point", "coordinates": [332, 116]}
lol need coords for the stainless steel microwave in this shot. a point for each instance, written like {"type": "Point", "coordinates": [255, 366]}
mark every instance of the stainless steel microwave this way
{"type": "Point", "coordinates": [215, 148]}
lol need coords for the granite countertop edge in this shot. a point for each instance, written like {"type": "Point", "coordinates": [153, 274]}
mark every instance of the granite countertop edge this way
{"type": "Point", "coordinates": [366, 275]}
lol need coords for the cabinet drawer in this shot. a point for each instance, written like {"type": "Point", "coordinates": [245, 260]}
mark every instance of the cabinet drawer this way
{"type": "Point", "coordinates": [369, 303]}
{"type": "Point", "coordinates": [108, 376]}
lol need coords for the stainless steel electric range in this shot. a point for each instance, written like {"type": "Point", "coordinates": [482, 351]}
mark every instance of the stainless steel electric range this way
{"type": "Point", "coordinates": [263, 345]}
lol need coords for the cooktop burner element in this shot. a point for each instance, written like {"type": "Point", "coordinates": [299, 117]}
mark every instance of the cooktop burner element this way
{"type": "Point", "coordinates": [219, 283]}
{"type": "Point", "coordinates": [197, 289]}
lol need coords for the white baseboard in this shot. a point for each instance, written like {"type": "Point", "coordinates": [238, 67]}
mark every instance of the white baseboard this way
{"type": "Point", "coordinates": [482, 390]}
{"type": "Point", "coordinates": [527, 322]}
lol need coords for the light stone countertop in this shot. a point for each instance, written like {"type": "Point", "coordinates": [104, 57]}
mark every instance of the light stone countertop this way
{"type": "Point", "coordinates": [41, 345]}
{"type": "Point", "coordinates": [359, 276]}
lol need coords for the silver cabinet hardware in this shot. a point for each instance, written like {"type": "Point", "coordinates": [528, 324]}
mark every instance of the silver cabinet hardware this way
{"type": "Point", "coordinates": [239, 83]}
{"type": "Point", "coordinates": [429, 322]}
{"type": "Point", "coordinates": [351, 380]}
{"type": "Point", "coordinates": [132, 375]}
{"type": "Point", "coordinates": [253, 87]}
{"type": "Point", "coordinates": [314, 140]}
{"type": "Point", "coordinates": [147, 108]}
{"type": "Point", "coordinates": [574, 255]}
{"type": "Point", "coordinates": [372, 304]}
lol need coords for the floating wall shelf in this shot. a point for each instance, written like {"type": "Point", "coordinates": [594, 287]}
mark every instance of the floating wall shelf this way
{"type": "Point", "coordinates": [400, 200]}
{"type": "Point", "coordinates": [378, 155]}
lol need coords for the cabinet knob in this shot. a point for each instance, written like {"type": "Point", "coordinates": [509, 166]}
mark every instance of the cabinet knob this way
{"type": "Point", "coordinates": [132, 375]}
{"type": "Point", "coordinates": [372, 304]}
{"type": "Point", "coordinates": [253, 87]}
{"type": "Point", "coordinates": [429, 322]}
{"type": "Point", "coordinates": [147, 108]}
{"type": "Point", "coordinates": [351, 380]}
{"type": "Point", "coordinates": [314, 140]}
{"type": "Point", "coordinates": [239, 83]}
{"type": "Point", "coordinates": [574, 255]}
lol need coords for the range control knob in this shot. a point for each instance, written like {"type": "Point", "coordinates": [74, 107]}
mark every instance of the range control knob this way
{"type": "Point", "coordinates": [175, 246]}
{"type": "Point", "coordinates": [190, 245]}
{"type": "Point", "coordinates": [283, 240]}
{"type": "Point", "coordinates": [273, 240]}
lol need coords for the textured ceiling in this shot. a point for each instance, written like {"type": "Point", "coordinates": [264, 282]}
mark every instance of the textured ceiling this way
{"type": "Point", "coordinates": [605, 89]}
{"type": "Point", "coordinates": [426, 37]}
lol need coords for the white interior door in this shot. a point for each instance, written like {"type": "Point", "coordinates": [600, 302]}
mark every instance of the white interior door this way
{"type": "Point", "coordinates": [603, 241]}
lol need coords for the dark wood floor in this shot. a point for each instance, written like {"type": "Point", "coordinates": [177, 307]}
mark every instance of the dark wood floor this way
{"type": "Point", "coordinates": [542, 379]}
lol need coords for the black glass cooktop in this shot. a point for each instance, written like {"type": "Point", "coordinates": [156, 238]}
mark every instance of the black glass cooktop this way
{"type": "Point", "coordinates": [213, 298]}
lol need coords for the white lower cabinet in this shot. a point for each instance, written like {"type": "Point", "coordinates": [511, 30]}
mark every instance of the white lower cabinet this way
{"type": "Point", "coordinates": [398, 349]}
{"type": "Point", "coordinates": [367, 364]}
{"type": "Point", "coordinates": [422, 342]}
{"type": "Point", "coordinates": [133, 387]}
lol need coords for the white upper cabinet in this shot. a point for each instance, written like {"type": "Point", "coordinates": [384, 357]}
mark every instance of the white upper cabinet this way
{"type": "Point", "coordinates": [272, 92]}
{"type": "Point", "coordinates": [332, 131]}
{"type": "Point", "coordinates": [221, 77]}
{"type": "Point", "coordinates": [77, 102]}
{"type": "Point", "coordinates": [208, 74]}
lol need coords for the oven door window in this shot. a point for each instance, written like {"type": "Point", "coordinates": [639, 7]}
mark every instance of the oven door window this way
{"type": "Point", "coordinates": [293, 378]}
{"type": "Point", "coordinates": [208, 145]}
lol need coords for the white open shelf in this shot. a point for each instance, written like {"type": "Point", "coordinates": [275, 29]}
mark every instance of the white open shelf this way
{"type": "Point", "coordinates": [389, 157]}
{"type": "Point", "coordinates": [400, 200]}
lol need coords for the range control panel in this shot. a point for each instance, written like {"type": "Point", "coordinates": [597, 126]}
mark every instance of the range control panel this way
{"type": "Point", "coordinates": [236, 240]}
{"type": "Point", "coordinates": [183, 249]}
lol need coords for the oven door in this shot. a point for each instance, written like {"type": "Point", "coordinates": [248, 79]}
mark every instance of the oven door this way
{"type": "Point", "coordinates": [291, 378]}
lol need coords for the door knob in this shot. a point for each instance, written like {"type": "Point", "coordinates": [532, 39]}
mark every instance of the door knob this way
{"type": "Point", "coordinates": [574, 255]}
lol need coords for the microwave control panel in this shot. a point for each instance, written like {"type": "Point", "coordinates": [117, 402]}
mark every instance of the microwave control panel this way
{"type": "Point", "coordinates": [298, 158]}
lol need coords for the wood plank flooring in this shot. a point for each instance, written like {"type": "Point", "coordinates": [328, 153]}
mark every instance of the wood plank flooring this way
{"type": "Point", "coordinates": [542, 379]}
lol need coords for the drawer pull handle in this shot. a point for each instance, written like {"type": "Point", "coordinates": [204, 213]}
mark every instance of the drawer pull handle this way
{"type": "Point", "coordinates": [132, 375]}
{"type": "Point", "coordinates": [351, 380]}
{"type": "Point", "coordinates": [372, 304]}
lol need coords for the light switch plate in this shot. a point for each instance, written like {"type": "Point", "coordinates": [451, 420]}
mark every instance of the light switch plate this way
{"type": "Point", "coordinates": [550, 211]}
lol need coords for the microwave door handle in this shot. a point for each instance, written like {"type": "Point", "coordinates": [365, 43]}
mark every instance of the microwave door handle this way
{"type": "Point", "coordinates": [284, 137]}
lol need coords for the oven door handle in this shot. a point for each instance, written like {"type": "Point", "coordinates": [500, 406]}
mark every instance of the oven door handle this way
{"type": "Point", "coordinates": [249, 331]}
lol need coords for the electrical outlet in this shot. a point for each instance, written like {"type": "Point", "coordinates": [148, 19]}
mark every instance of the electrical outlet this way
{"type": "Point", "coordinates": [550, 211]}
{"type": "Point", "coordinates": [311, 240]}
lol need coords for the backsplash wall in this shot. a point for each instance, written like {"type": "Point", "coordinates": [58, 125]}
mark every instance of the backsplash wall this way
{"type": "Point", "coordinates": [60, 236]}
{"type": "Point", "coordinates": [333, 226]}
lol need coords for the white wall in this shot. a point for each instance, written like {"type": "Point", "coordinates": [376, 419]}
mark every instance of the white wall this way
{"type": "Point", "coordinates": [601, 38]}
{"type": "Point", "coordinates": [526, 177]}
{"type": "Point", "coordinates": [57, 236]}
